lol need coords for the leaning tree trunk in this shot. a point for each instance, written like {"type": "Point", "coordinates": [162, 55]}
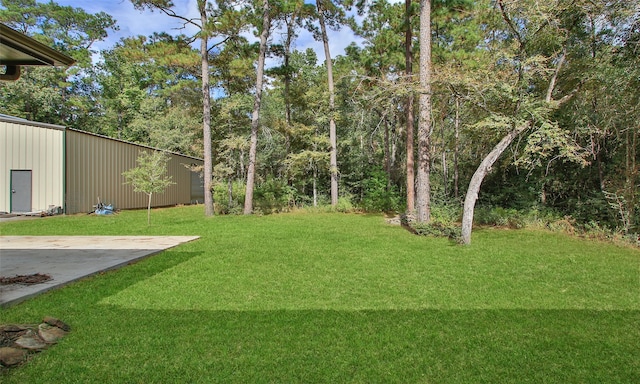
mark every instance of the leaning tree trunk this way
{"type": "Point", "coordinates": [255, 117]}
{"type": "Point", "coordinates": [478, 177]}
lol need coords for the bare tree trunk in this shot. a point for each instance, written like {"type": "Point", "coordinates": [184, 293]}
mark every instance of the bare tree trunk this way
{"type": "Point", "coordinates": [291, 25]}
{"type": "Point", "coordinates": [443, 152]}
{"type": "Point", "coordinates": [120, 125]}
{"type": "Point", "coordinates": [423, 192]}
{"type": "Point", "coordinates": [149, 210]}
{"type": "Point", "coordinates": [554, 78]}
{"type": "Point", "coordinates": [631, 174]}
{"type": "Point", "coordinates": [478, 177]}
{"type": "Point", "coordinates": [387, 152]}
{"type": "Point", "coordinates": [600, 170]}
{"type": "Point", "coordinates": [315, 189]}
{"type": "Point", "coordinates": [287, 86]}
{"type": "Point", "coordinates": [456, 149]}
{"type": "Point", "coordinates": [333, 142]}
{"type": "Point", "coordinates": [445, 172]}
{"type": "Point", "coordinates": [394, 149]}
{"type": "Point", "coordinates": [255, 117]}
{"type": "Point", "coordinates": [408, 54]}
{"type": "Point", "coordinates": [230, 178]}
{"type": "Point", "coordinates": [206, 115]}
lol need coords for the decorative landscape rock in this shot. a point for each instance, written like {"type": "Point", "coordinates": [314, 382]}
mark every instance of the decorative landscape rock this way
{"type": "Point", "coordinates": [12, 356]}
{"type": "Point", "coordinates": [31, 341]}
{"type": "Point", "coordinates": [56, 323]}
{"type": "Point", "coordinates": [50, 334]}
{"type": "Point", "coordinates": [18, 341]}
{"type": "Point", "coordinates": [12, 328]}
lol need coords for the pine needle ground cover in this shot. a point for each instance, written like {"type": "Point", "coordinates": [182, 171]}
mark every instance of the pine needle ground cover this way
{"type": "Point", "coordinates": [325, 298]}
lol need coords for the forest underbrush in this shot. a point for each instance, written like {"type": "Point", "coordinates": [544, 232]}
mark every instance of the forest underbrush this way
{"type": "Point", "coordinates": [445, 222]}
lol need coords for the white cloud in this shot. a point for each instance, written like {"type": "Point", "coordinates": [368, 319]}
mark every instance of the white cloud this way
{"type": "Point", "coordinates": [132, 22]}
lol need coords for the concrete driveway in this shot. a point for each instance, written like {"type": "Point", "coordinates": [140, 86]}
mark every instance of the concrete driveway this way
{"type": "Point", "coordinates": [69, 258]}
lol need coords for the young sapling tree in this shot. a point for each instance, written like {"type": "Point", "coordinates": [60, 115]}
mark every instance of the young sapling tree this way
{"type": "Point", "coordinates": [150, 176]}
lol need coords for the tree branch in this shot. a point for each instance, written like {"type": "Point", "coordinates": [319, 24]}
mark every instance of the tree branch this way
{"type": "Point", "coordinates": [554, 78]}
{"type": "Point", "coordinates": [170, 12]}
{"type": "Point", "coordinates": [219, 43]}
{"type": "Point", "coordinates": [507, 19]}
{"type": "Point", "coordinates": [570, 95]}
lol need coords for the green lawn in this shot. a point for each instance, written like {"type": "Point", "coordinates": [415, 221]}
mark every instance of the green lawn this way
{"type": "Point", "coordinates": [332, 298]}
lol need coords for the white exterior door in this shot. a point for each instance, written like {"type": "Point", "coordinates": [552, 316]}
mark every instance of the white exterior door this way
{"type": "Point", "coordinates": [21, 191]}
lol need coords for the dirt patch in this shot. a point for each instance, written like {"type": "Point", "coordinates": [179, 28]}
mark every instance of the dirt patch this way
{"type": "Point", "coordinates": [36, 278]}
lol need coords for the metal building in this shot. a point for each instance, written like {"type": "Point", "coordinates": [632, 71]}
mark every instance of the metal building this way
{"type": "Point", "coordinates": [45, 166]}
{"type": "Point", "coordinates": [31, 165]}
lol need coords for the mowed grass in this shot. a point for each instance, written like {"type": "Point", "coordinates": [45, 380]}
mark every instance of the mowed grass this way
{"type": "Point", "coordinates": [326, 298]}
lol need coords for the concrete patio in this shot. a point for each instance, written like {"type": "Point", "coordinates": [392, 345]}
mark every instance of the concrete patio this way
{"type": "Point", "coordinates": [69, 258]}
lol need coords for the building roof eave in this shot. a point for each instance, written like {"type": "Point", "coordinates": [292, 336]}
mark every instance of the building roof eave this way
{"type": "Point", "coordinates": [17, 49]}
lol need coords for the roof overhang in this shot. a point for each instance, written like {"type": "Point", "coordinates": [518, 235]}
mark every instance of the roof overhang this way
{"type": "Point", "coordinates": [16, 120]}
{"type": "Point", "coordinates": [17, 49]}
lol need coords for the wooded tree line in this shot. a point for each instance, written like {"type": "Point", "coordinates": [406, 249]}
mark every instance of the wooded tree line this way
{"type": "Point", "coordinates": [533, 105]}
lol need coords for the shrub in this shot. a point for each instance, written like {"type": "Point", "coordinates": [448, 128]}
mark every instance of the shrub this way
{"type": "Point", "coordinates": [345, 204]}
{"type": "Point", "coordinates": [514, 218]}
{"type": "Point", "coordinates": [378, 195]}
{"type": "Point", "coordinates": [633, 239]}
{"type": "Point", "coordinates": [450, 230]}
{"type": "Point", "coordinates": [222, 204]}
{"type": "Point", "coordinates": [566, 225]}
{"type": "Point", "coordinates": [268, 197]}
{"type": "Point", "coordinates": [273, 195]}
{"type": "Point", "coordinates": [447, 211]}
{"type": "Point", "coordinates": [444, 221]}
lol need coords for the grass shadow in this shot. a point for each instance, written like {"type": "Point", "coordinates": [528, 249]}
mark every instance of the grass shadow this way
{"type": "Point", "coordinates": [325, 346]}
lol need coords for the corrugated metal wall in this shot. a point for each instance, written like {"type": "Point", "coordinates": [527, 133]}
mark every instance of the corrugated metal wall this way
{"type": "Point", "coordinates": [37, 147]}
{"type": "Point", "coordinates": [94, 169]}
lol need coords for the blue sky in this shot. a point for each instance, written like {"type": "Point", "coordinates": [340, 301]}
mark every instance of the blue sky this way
{"type": "Point", "coordinates": [133, 23]}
